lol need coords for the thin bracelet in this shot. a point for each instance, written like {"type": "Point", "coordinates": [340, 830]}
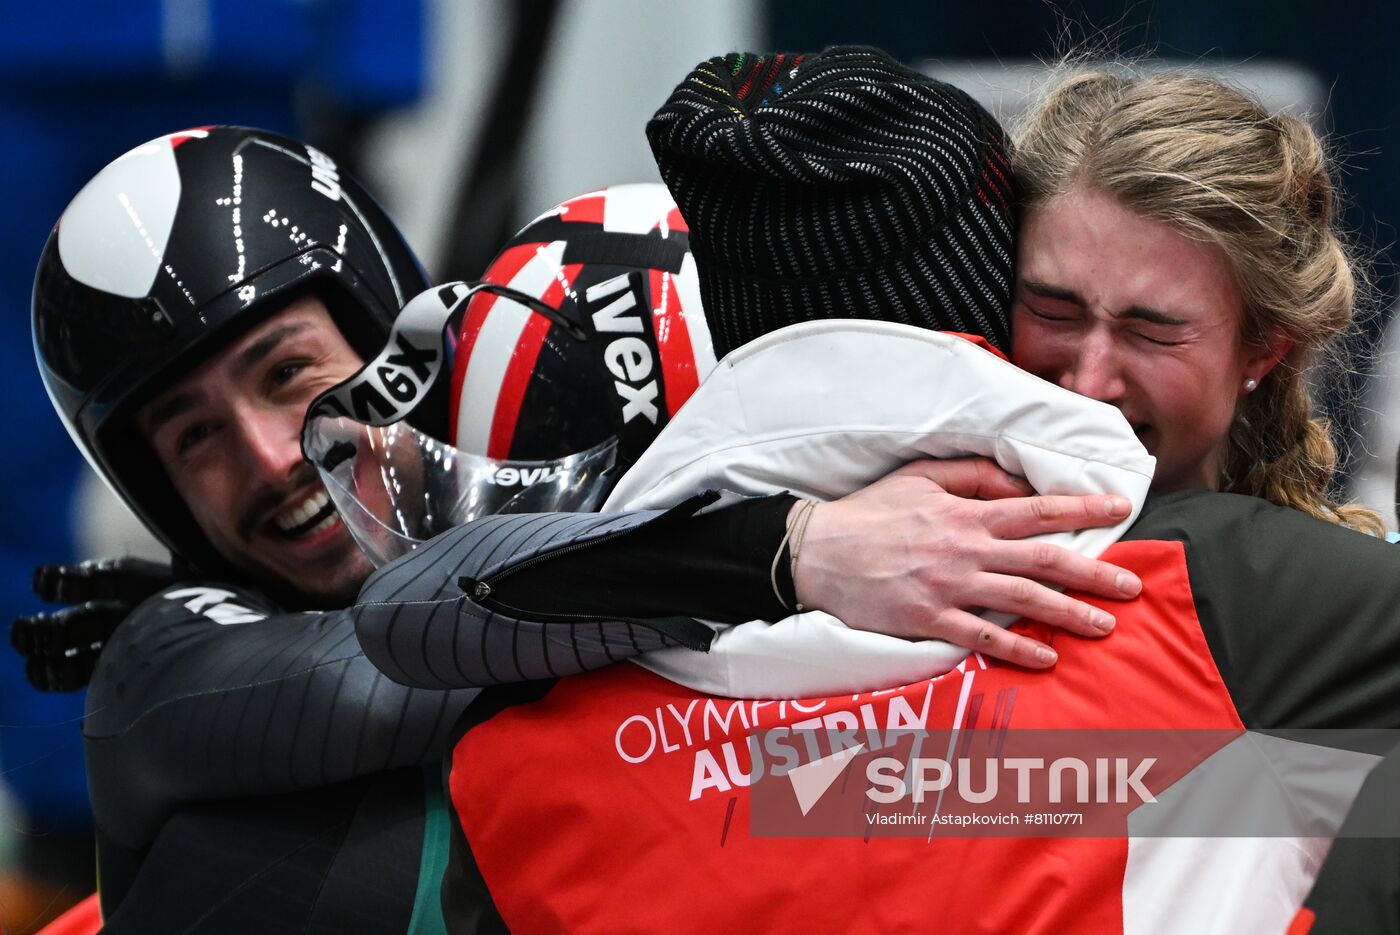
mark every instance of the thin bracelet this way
{"type": "Point", "coordinates": [799, 523]}
{"type": "Point", "coordinates": [773, 569]}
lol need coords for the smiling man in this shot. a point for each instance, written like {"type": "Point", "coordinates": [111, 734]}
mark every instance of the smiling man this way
{"type": "Point", "coordinates": [227, 436]}
{"type": "Point", "coordinates": [249, 770]}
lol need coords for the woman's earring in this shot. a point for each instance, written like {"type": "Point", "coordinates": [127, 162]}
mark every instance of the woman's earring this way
{"type": "Point", "coordinates": [1251, 385]}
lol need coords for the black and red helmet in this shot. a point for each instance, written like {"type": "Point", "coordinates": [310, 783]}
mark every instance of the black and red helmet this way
{"type": "Point", "coordinates": [584, 338]}
{"type": "Point", "coordinates": [617, 264]}
{"type": "Point", "coordinates": [171, 250]}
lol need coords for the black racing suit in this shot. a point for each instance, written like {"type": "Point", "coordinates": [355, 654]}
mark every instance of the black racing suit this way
{"type": "Point", "coordinates": [209, 692]}
{"type": "Point", "coordinates": [250, 770]}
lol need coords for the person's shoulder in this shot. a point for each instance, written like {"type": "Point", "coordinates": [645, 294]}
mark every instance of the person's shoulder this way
{"type": "Point", "coordinates": [1213, 520]}
{"type": "Point", "coordinates": [1296, 610]}
{"type": "Point", "coordinates": [178, 624]}
{"type": "Point", "coordinates": [217, 601]}
{"type": "Point", "coordinates": [202, 601]}
{"type": "Point", "coordinates": [1275, 556]}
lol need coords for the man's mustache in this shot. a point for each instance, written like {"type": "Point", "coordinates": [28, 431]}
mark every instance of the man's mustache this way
{"type": "Point", "coordinates": [255, 513]}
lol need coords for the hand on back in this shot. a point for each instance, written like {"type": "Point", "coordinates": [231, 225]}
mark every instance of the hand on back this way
{"type": "Point", "coordinates": [916, 553]}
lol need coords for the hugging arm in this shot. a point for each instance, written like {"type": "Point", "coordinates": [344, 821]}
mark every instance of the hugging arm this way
{"type": "Point", "coordinates": [508, 598]}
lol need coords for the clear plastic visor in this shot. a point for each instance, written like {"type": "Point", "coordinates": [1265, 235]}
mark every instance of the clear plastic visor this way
{"type": "Point", "coordinates": [396, 487]}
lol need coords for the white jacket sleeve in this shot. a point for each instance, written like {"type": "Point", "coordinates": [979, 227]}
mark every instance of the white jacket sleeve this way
{"type": "Point", "coordinates": [822, 409]}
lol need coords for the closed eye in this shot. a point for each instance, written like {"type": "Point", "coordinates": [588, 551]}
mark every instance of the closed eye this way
{"type": "Point", "coordinates": [1046, 315]}
{"type": "Point", "coordinates": [1160, 342]}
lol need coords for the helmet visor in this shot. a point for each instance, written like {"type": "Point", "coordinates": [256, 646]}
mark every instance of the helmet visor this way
{"type": "Point", "coordinates": [396, 487]}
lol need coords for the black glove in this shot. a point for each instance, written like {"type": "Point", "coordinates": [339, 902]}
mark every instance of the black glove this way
{"type": "Point", "coordinates": [61, 647]}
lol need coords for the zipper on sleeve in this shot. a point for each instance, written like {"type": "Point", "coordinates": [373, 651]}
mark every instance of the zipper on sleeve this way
{"type": "Point", "coordinates": [481, 590]}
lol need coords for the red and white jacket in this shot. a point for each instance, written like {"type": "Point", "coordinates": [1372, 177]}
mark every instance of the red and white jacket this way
{"type": "Point", "coordinates": [621, 800]}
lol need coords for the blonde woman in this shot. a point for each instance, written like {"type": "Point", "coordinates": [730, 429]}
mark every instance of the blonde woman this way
{"type": "Point", "coordinates": [1179, 259]}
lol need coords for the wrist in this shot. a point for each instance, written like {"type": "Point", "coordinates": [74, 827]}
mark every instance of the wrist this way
{"type": "Point", "coordinates": [806, 585]}
{"type": "Point", "coordinates": [783, 570]}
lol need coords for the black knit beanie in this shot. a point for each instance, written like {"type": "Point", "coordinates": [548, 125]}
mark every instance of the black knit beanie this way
{"type": "Point", "coordinates": [838, 185]}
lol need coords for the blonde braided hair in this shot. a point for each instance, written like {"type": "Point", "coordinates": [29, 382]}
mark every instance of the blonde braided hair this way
{"type": "Point", "coordinates": [1210, 162]}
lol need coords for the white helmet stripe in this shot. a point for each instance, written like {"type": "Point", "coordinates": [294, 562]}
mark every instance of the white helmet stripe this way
{"type": "Point", "coordinates": [636, 209]}
{"type": "Point", "coordinates": [114, 233]}
{"type": "Point", "coordinates": [563, 209]}
{"type": "Point", "coordinates": [494, 347]}
{"type": "Point", "coordinates": [688, 285]}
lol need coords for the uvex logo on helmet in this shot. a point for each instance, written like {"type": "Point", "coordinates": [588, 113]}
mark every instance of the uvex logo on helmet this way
{"type": "Point", "coordinates": [617, 264]}
{"type": "Point", "coordinates": [615, 308]}
{"type": "Point", "coordinates": [324, 177]}
{"type": "Point", "coordinates": [524, 476]}
{"type": "Point", "coordinates": [393, 383]}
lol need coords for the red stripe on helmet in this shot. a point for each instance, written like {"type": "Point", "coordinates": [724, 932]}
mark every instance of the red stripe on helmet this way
{"type": "Point", "coordinates": [192, 133]}
{"type": "Point", "coordinates": [587, 209]}
{"type": "Point", "coordinates": [502, 271]}
{"type": "Point", "coordinates": [672, 340]}
{"type": "Point", "coordinates": [522, 368]}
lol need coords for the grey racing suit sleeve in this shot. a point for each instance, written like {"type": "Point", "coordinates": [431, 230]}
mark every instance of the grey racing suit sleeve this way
{"type": "Point", "coordinates": [209, 692]}
{"type": "Point", "coordinates": [436, 618]}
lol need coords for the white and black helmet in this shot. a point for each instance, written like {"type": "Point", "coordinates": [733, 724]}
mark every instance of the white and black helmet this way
{"type": "Point", "coordinates": [175, 247]}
